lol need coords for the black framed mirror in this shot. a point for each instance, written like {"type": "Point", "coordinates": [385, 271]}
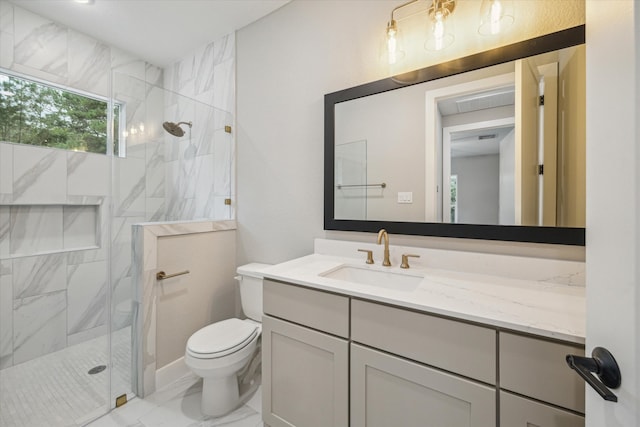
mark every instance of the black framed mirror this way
{"type": "Point", "coordinates": [335, 218]}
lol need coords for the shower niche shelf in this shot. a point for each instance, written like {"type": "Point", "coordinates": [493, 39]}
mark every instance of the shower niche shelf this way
{"type": "Point", "coordinates": [41, 229]}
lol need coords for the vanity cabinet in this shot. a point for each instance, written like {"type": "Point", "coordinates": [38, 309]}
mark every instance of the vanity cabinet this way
{"type": "Point", "coordinates": [305, 365]}
{"type": "Point", "coordinates": [402, 383]}
{"type": "Point", "coordinates": [335, 360]}
{"type": "Point", "coordinates": [387, 390]}
{"type": "Point", "coordinates": [516, 411]}
{"type": "Point", "coordinates": [453, 346]}
{"type": "Point", "coordinates": [537, 369]}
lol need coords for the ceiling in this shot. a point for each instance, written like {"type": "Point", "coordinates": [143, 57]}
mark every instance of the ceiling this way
{"type": "Point", "coordinates": [158, 31]}
{"type": "Point", "coordinates": [478, 142]}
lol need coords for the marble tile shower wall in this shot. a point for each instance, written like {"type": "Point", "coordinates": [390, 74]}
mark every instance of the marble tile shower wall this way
{"type": "Point", "coordinates": [200, 165]}
{"type": "Point", "coordinates": [53, 263]}
{"type": "Point", "coordinates": [53, 277]}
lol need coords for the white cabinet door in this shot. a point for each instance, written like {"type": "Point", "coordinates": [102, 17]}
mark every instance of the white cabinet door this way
{"type": "Point", "coordinates": [305, 376]}
{"type": "Point", "coordinates": [390, 391]}
{"type": "Point", "coordinates": [516, 411]}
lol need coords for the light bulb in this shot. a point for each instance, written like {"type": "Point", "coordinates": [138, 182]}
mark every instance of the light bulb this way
{"type": "Point", "coordinates": [438, 30]}
{"type": "Point", "coordinates": [392, 42]}
{"type": "Point", "coordinates": [496, 16]}
{"type": "Point", "coordinates": [141, 127]}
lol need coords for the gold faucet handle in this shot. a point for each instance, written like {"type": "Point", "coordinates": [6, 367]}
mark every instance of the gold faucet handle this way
{"type": "Point", "coordinates": [405, 260]}
{"type": "Point", "coordinates": [369, 255]}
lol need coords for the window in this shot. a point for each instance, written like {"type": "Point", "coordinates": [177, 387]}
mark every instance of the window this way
{"type": "Point", "coordinates": [40, 114]}
{"type": "Point", "coordinates": [454, 198]}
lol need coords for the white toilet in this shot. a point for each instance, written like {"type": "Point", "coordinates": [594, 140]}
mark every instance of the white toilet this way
{"type": "Point", "coordinates": [219, 351]}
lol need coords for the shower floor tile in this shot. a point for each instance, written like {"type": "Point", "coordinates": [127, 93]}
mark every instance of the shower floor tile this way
{"type": "Point", "coordinates": [56, 389]}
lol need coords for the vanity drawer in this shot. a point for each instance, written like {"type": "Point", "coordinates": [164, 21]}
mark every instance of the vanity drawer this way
{"type": "Point", "coordinates": [516, 411]}
{"type": "Point", "coordinates": [537, 368]}
{"type": "Point", "coordinates": [446, 344]}
{"type": "Point", "coordinates": [316, 309]}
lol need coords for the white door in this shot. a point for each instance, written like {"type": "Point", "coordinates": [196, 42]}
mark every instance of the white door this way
{"type": "Point", "coordinates": [613, 203]}
{"type": "Point", "coordinates": [548, 146]}
{"type": "Point", "coordinates": [526, 171]}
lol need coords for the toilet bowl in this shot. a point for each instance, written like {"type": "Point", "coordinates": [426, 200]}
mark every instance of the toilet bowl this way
{"type": "Point", "coordinates": [218, 352]}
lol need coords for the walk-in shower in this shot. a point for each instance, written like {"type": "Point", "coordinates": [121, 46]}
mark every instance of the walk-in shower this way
{"type": "Point", "coordinates": [67, 291]}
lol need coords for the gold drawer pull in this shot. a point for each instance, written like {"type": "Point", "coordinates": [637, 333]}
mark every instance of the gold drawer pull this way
{"type": "Point", "coordinates": [161, 275]}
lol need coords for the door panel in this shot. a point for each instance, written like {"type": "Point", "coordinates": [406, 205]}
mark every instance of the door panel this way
{"type": "Point", "coordinates": [305, 377]}
{"type": "Point", "coordinates": [516, 411]}
{"type": "Point", "coordinates": [390, 391]}
{"type": "Point", "coordinates": [526, 174]}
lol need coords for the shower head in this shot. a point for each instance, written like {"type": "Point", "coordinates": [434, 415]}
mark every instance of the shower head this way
{"type": "Point", "coordinates": [174, 128]}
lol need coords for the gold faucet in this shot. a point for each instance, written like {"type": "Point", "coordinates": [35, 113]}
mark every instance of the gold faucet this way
{"type": "Point", "coordinates": [383, 233]}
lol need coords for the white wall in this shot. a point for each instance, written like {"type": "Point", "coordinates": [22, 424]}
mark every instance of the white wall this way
{"type": "Point", "coordinates": [478, 188]}
{"type": "Point", "coordinates": [286, 62]}
{"type": "Point", "coordinates": [395, 142]}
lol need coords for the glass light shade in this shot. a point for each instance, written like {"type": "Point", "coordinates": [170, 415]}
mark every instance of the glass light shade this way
{"type": "Point", "coordinates": [440, 32]}
{"type": "Point", "coordinates": [393, 49]}
{"type": "Point", "coordinates": [495, 16]}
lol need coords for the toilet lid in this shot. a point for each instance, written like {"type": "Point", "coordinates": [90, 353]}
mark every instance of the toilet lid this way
{"type": "Point", "coordinates": [221, 338]}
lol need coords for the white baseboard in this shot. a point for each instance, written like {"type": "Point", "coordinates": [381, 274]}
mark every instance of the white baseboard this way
{"type": "Point", "coordinates": [171, 372]}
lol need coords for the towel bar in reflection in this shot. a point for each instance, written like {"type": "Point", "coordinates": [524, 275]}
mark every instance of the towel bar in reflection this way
{"type": "Point", "coordinates": [340, 186]}
{"type": "Point", "coordinates": [161, 275]}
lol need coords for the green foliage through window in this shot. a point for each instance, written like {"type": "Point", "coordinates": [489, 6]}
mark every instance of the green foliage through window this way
{"type": "Point", "coordinates": [37, 114]}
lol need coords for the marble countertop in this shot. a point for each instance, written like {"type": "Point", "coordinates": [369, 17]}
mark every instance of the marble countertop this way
{"type": "Point", "coordinates": [543, 308]}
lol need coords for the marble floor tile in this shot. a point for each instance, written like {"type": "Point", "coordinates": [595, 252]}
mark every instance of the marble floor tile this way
{"type": "Point", "coordinates": [178, 405]}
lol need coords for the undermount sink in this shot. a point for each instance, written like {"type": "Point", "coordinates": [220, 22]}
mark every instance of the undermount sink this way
{"type": "Point", "coordinates": [379, 278]}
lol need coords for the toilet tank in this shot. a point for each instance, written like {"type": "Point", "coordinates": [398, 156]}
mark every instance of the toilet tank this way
{"type": "Point", "coordinates": [250, 278]}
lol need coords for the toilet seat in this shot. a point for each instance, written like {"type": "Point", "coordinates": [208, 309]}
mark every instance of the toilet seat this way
{"type": "Point", "coordinates": [221, 338]}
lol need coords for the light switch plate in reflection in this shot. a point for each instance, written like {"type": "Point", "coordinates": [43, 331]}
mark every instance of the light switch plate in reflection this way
{"type": "Point", "coordinates": [405, 197]}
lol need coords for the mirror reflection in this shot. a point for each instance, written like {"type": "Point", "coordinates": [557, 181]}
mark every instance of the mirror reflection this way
{"type": "Point", "coordinates": [503, 145]}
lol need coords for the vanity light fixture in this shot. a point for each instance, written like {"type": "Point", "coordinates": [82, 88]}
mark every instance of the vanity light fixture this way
{"type": "Point", "coordinates": [495, 16]}
{"type": "Point", "coordinates": [440, 31]}
{"type": "Point", "coordinates": [84, 1]}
